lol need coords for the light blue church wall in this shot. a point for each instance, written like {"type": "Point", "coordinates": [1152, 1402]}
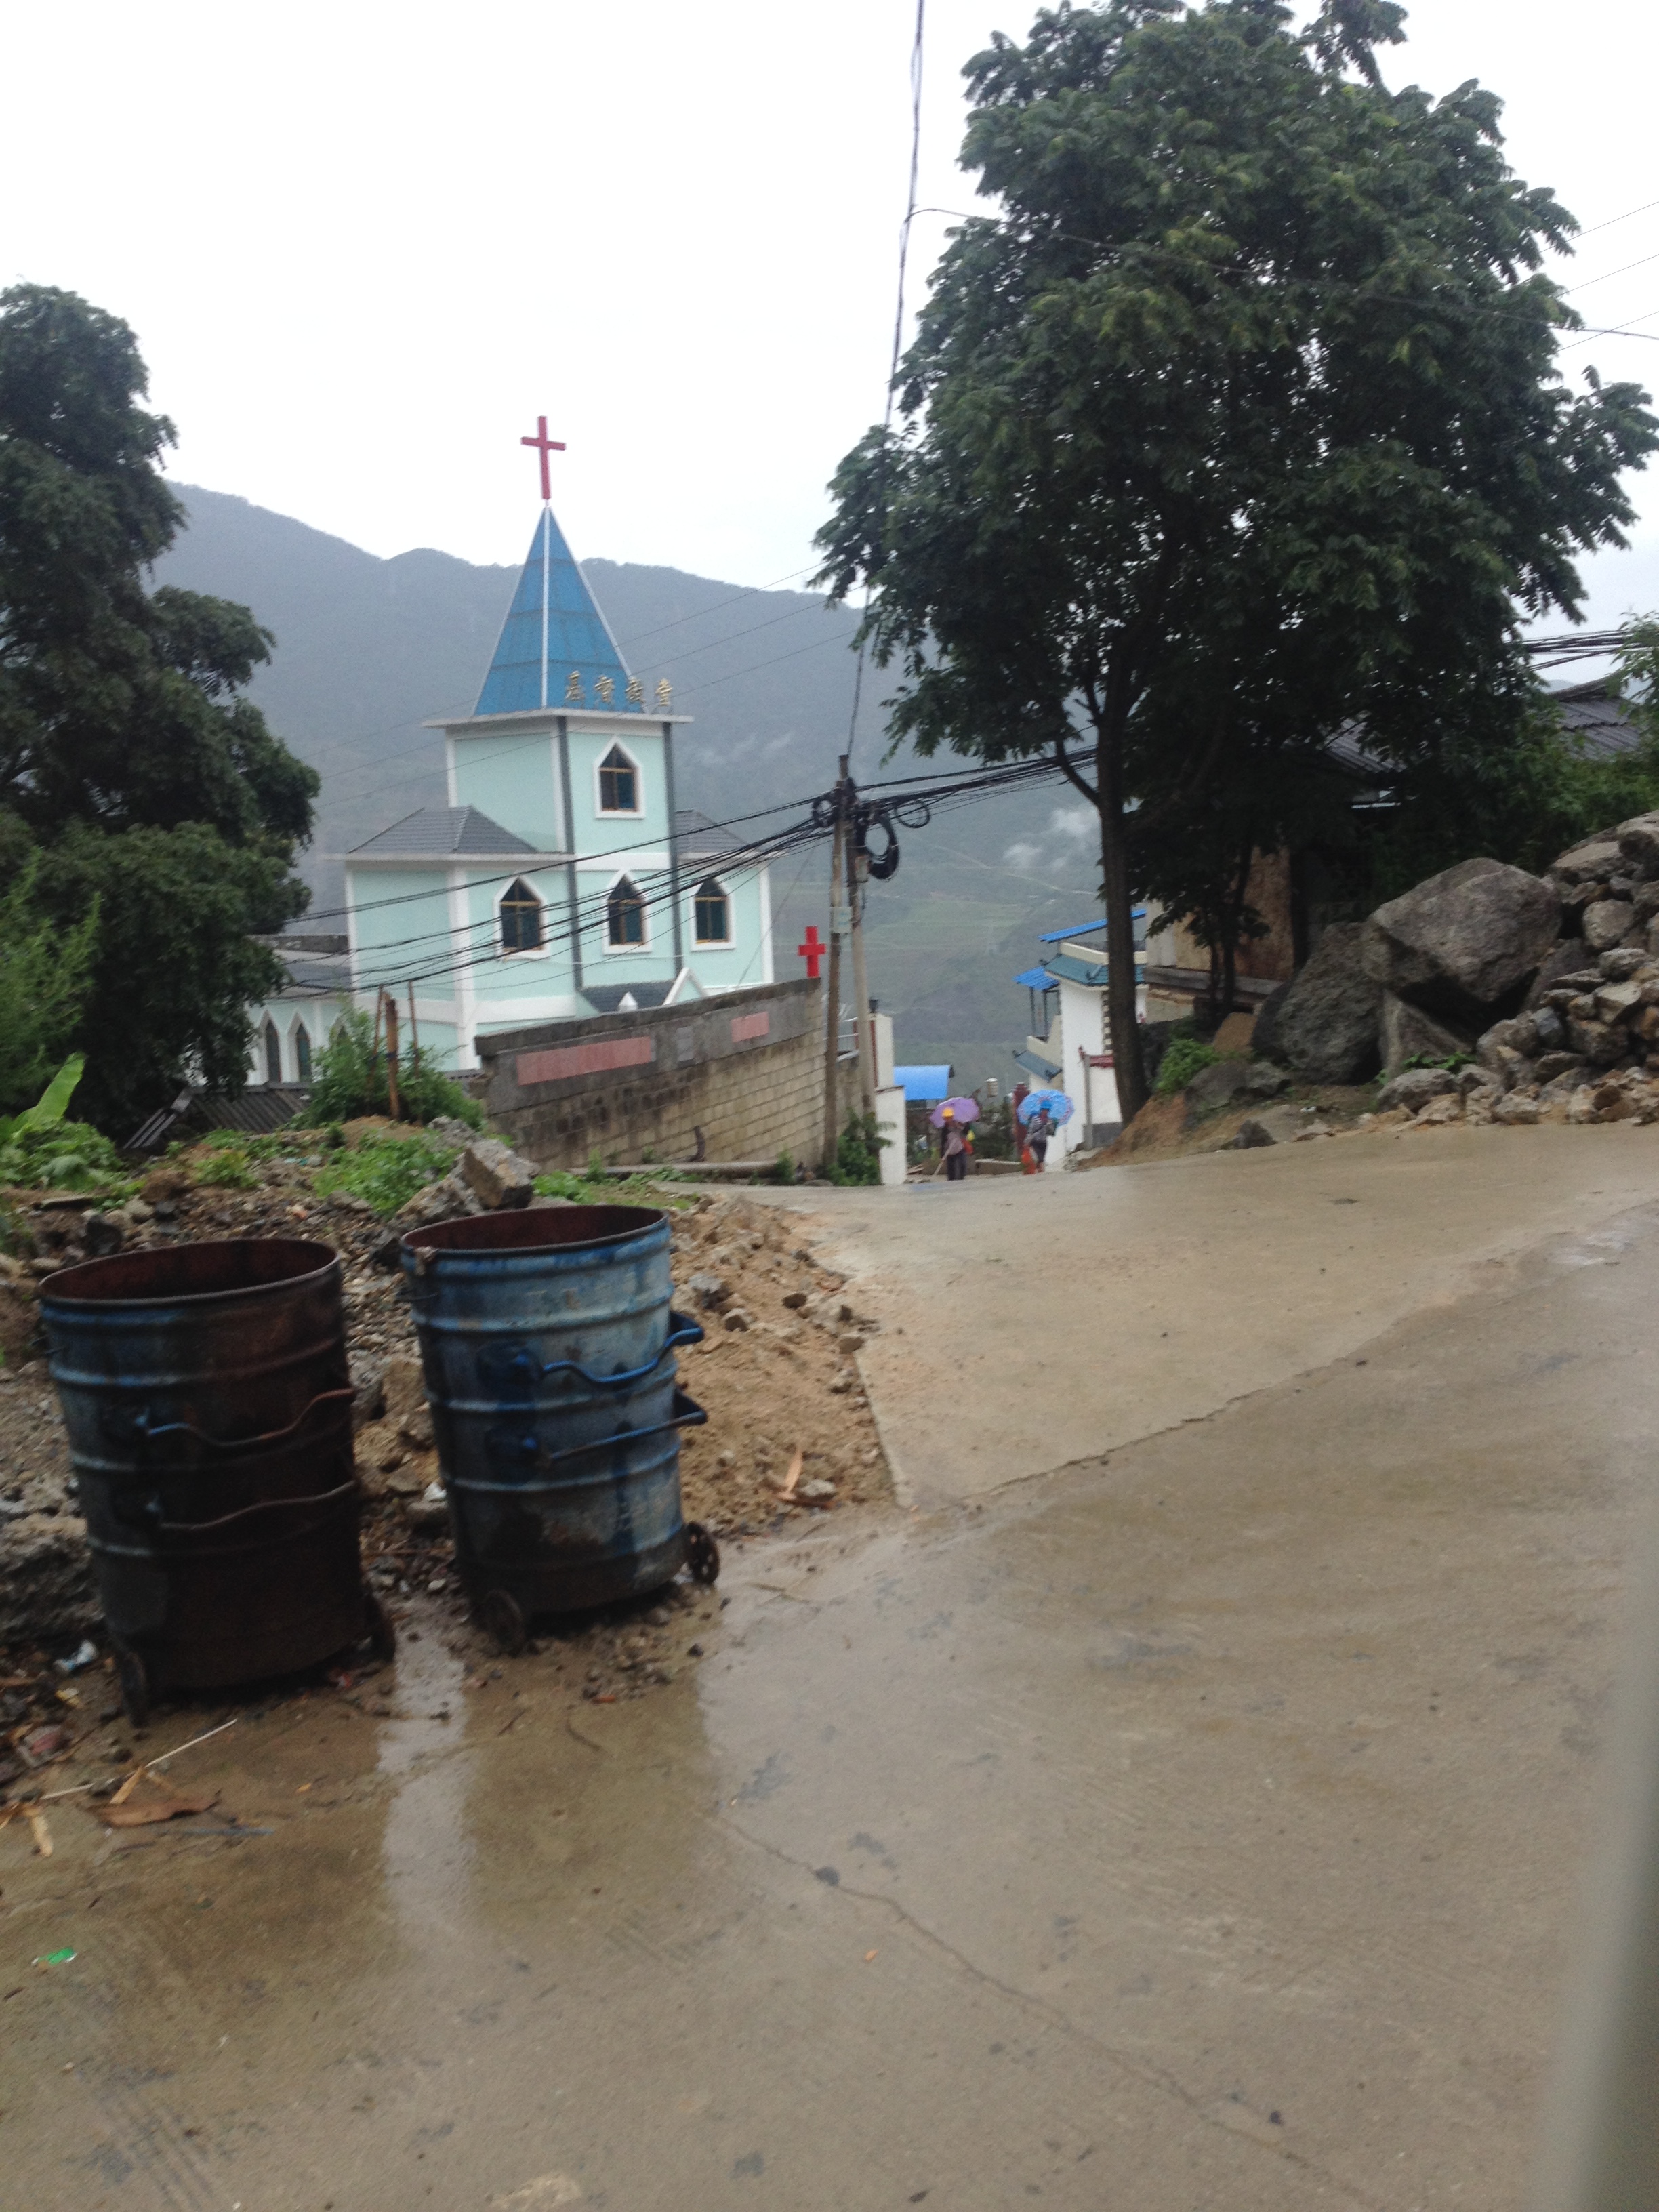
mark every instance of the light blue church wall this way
{"type": "Point", "coordinates": [513, 777]}
{"type": "Point", "coordinates": [735, 966]}
{"type": "Point", "coordinates": [512, 976]}
{"type": "Point", "coordinates": [390, 906]}
{"type": "Point", "coordinates": [636, 837]}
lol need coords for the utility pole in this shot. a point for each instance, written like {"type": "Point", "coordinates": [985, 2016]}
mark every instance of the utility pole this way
{"type": "Point", "coordinates": [858, 877]}
{"type": "Point", "coordinates": [392, 1056]}
{"type": "Point", "coordinates": [832, 1026]}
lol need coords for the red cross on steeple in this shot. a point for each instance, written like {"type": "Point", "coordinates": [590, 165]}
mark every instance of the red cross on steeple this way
{"type": "Point", "coordinates": [813, 951]}
{"type": "Point", "coordinates": [546, 446]}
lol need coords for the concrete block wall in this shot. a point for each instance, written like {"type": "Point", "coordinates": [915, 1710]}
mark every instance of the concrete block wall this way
{"type": "Point", "coordinates": [746, 1069]}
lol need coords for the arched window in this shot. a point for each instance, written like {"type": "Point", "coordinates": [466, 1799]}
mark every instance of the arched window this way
{"type": "Point", "coordinates": [302, 1051]}
{"type": "Point", "coordinates": [711, 913]}
{"type": "Point", "coordinates": [273, 1054]}
{"type": "Point", "coordinates": [619, 784]}
{"type": "Point", "coordinates": [521, 919]}
{"type": "Point", "coordinates": [624, 914]}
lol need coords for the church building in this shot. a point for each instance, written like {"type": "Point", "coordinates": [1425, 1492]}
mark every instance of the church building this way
{"type": "Point", "coordinates": [561, 879]}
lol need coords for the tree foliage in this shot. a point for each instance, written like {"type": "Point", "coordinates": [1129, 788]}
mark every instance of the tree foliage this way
{"type": "Point", "coordinates": [44, 976]}
{"type": "Point", "coordinates": [351, 1080]}
{"type": "Point", "coordinates": [142, 800]}
{"type": "Point", "coordinates": [1241, 422]}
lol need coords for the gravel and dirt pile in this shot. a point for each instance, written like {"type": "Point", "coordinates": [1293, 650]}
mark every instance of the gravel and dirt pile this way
{"type": "Point", "coordinates": [789, 1435]}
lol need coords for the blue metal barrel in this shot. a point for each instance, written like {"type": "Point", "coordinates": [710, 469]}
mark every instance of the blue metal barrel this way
{"type": "Point", "coordinates": [208, 1400]}
{"type": "Point", "coordinates": [547, 1341]}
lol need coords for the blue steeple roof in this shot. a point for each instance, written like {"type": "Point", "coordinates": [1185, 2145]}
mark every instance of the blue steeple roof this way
{"type": "Point", "coordinates": [553, 632]}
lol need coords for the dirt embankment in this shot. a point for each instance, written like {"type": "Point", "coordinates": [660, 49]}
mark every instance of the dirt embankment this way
{"type": "Point", "coordinates": [789, 1435]}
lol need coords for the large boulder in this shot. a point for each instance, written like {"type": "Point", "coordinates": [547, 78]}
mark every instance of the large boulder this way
{"type": "Point", "coordinates": [1466, 944]}
{"type": "Point", "coordinates": [1325, 1026]}
{"type": "Point", "coordinates": [1638, 842]}
{"type": "Point", "coordinates": [1406, 1032]}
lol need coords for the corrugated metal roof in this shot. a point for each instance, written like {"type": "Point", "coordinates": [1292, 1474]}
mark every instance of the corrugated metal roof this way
{"type": "Point", "coordinates": [1062, 966]}
{"type": "Point", "coordinates": [1034, 1064]}
{"type": "Point", "coordinates": [443, 830]}
{"type": "Point", "coordinates": [1036, 978]}
{"type": "Point", "coordinates": [553, 632]}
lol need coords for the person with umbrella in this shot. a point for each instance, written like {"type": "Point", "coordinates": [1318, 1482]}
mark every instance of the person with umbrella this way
{"type": "Point", "coordinates": [950, 1118]}
{"type": "Point", "coordinates": [1042, 1112]}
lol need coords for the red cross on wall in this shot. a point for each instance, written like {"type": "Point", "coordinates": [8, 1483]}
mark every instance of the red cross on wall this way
{"type": "Point", "coordinates": [813, 951]}
{"type": "Point", "coordinates": [545, 446]}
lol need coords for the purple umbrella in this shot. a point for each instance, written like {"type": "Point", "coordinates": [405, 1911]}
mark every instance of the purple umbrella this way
{"type": "Point", "coordinates": [964, 1110]}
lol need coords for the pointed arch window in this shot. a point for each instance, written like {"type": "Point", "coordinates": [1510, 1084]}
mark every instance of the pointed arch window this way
{"type": "Point", "coordinates": [624, 914]}
{"type": "Point", "coordinates": [301, 1052]}
{"type": "Point", "coordinates": [273, 1054]}
{"type": "Point", "coordinates": [711, 913]}
{"type": "Point", "coordinates": [521, 919]}
{"type": "Point", "coordinates": [619, 783]}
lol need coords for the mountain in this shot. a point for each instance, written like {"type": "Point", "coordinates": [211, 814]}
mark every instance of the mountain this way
{"type": "Point", "coordinates": [367, 649]}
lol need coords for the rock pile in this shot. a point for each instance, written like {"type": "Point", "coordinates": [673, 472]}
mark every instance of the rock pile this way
{"type": "Point", "coordinates": [1551, 985]}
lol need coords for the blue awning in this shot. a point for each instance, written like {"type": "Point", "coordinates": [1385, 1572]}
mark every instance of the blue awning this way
{"type": "Point", "coordinates": [1034, 1064]}
{"type": "Point", "coordinates": [923, 1086]}
{"type": "Point", "coordinates": [1083, 929]}
{"type": "Point", "coordinates": [1036, 978]}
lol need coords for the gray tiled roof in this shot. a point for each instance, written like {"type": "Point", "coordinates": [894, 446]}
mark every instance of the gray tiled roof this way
{"type": "Point", "coordinates": [1593, 713]}
{"type": "Point", "coordinates": [699, 839]}
{"type": "Point", "coordinates": [440, 830]}
{"type": "Point", "coordinates": [607, 998]}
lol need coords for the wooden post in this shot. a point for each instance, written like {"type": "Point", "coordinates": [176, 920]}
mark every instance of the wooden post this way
{"type": "Point", "coordinates": [832, 1025]}
{"type": "Point", "coordinates": [392, 1056]}
{"type": "Point", "coordinates": [413, 1031]}
{"type": "Point", "coordinates": [858, 870]}
{"type": "Point", "coordinates": [375, 1051]}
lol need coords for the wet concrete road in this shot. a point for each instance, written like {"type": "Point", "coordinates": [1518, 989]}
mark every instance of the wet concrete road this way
{"type": "Point", "coordinates": [1197, 1829]}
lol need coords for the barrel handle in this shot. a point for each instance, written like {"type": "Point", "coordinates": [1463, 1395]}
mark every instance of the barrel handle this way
{"type": "Point", "coordinates": [147, 1435]}
{"type": "Point", "coordinates": [681, 1329]}
{"type": "Point", "coordinates": [686, 1414]}
{"type": "Point", "coordinates": [262, 1506]}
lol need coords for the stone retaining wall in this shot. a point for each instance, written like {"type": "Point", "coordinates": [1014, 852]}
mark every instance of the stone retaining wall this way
{"type": "Point", "coordinates": [745, 1069]}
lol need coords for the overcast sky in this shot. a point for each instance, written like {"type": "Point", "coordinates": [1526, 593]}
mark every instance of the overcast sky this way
{"type": "Point", "coordinates": [364, 246]}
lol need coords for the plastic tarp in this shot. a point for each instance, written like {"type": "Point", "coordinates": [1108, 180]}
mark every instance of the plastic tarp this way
{"type": "Point", "coordinates": [922, 1086]}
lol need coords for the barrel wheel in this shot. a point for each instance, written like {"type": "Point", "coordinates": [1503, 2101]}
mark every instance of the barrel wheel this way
{"type": "Point", "coordinates": [702, 1553]}
{"type": "Point", "coordinates": [132, 1680]}
{"type": "Point", "coordinates": [378, 1629]}
{"type": "Point", "coordinates": [502, 1618]}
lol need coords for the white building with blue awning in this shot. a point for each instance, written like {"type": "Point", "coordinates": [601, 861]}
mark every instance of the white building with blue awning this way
{"type": "Point", "coordinates": [1069, 1046]}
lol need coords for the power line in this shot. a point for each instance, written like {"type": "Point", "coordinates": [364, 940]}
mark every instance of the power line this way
{"type": "Point", "coordinates": [917, 57]}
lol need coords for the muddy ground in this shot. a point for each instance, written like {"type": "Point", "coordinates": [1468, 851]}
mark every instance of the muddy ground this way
{"type": "Point", "coordinates": [789, 1440]}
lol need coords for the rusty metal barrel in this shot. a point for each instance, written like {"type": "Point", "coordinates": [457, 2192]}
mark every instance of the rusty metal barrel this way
{"type": "Point", "coordinates": [207, 1396]}
{"type": "Point", "coordinates": [547, 1342]}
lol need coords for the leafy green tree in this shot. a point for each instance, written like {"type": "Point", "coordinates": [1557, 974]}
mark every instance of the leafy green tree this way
{"type": "Point", "coordinates": [1240, 422]}
{"type": "Point", "coordinates": [142, 800]}
{"type": "Point", "coordinates": [45, 974]}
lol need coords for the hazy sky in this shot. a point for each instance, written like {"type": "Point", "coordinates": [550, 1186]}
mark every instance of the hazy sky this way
{"type": "Point", "coordinates": [364, 246]}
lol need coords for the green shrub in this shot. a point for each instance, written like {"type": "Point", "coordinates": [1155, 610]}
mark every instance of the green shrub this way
{"type": "Point", "coordinates": [226, 1168]}
{"type": "Point", "coordinates": [783, 1169]}
{"type": "Point", "coordinates": [385, 1170]}
{"type": "Point", "coordinates": [68, 1156]}
{"type": "Point", "coordinates": [350, 1080]}
{"type": "Point", "coordinates": [1185, 1058]}
{"type": "Point", "coordinates": [858, 1155]}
